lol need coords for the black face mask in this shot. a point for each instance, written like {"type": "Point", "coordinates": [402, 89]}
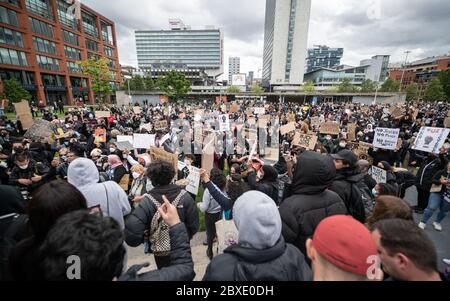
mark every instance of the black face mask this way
{"type": "Point", "coordinates": [18, 150]}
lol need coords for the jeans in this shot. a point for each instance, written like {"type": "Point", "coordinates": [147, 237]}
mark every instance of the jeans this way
{"type": "Point", "coordinates": [436, 201]}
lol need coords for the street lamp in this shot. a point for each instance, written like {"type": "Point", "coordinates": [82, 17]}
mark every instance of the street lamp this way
{"type": "Point", "coordinates": [403, 73]}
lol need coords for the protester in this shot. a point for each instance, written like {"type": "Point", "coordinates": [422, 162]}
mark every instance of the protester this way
{"type": "Point", "coordinates": [140, 185]}
{"type": "Point", "coordinates": [406, 253]}
{"type": "Point", "coordinates": [265, 180]}
{"type": "Point", "coordinates": [342, 249]}
{"type": "Point", "coordinates": [389, 207]}
{"type": "Point", "coordinates": [261, 253]}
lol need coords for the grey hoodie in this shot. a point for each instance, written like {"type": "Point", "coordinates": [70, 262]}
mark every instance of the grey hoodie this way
{"type": "Point", "coordinates": [258, 220]}
{"type": "Point", "coordinates": [84, 175]}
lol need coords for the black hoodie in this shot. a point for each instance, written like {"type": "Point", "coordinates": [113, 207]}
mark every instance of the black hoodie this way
{"type": "Point", "coordinates": [311, 201]}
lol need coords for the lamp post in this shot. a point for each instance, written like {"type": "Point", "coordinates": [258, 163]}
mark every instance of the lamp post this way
{"type": "Point", "coordinates": [403, 73]}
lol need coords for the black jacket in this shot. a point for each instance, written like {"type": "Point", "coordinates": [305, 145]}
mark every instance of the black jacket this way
{"type": "Point", "coordinates": [282, 262]}
{"type": "Point", "coordinates": [139, 221]}
{"type": "Point", "coordinates": [428, 169]}
{"type": "Point", "coordinates": [343, 182]}
{"type": "Point", "coordinates": [311, 201]}
{"type": "Point", "coordinates": [268, 185]}
{"type": "Point", "coordinates": [181, 268]}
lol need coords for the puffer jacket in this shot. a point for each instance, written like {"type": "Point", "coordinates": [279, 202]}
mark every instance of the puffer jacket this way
{"type": "Point", "coordinates": [181, 268]}
{"type": "Point", "coordinates": [342, 183]}
{"type": "Point", "coordinates": [311, 201]}
{"type": "Point", "coordinates": [139, 221]}
{"type": "Point", "coordinates": [282, 262]}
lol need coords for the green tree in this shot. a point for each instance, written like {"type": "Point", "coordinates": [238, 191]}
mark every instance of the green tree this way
{"type": "Point", "coordinates": [98, 71]}
{"type": "Point", "coordinates": [435, 91]}
{"type": "Point", "coordinates": [149, 83]}
{"type": "Point", "coordinates": [444, 77]}
{"type": "Point", "coordinates": [368, 86]}
{"type": "Point", "coordinates": [257, 89]}
{"type": "Point", "coordinates": [412, 92]}
{"type": "Point", "coordinates": [308, 87]}
{"type": "Point", "coordinates": [174, 85]}
{"type": "Point", "coordinates": [234, 89]}
{"type": "Point", "coordinates": [346, 86]}
{"type": "Point", "coordinates": [14, 92]}
{"type": "Point", "coordinates": [390, 86]}
{"type": "Point", "coordinates": [137, 83]}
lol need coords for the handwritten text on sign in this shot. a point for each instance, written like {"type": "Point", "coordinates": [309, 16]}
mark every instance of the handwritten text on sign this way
{"type": "Point", "coordinates": [379, 175]}
{"type": "Point", "coordinates": [386, 138]}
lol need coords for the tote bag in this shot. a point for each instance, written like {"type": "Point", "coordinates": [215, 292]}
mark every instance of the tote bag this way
{"type": "Point", "coordinates": [227, 234]}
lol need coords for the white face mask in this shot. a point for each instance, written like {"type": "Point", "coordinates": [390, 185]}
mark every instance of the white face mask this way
{"type": "Point", "coordinates": [136, 175]}
{"type": "Point", "coordinates": [112, 150]}
{"type": "Point", "coordinates": [342, 145]}
{"type": "Point", "coordinates": [23, 167]}
{"type": "Point", "coordinates": [259, 175]}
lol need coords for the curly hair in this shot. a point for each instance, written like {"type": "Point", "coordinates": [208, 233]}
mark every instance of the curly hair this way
{"type": "Point", "coordinates": [96, 241]}
{"type": "Point", "coordinates": [161, 173]}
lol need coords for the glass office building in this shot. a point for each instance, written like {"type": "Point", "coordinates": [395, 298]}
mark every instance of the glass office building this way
{"type": "Point", "coordinates": [323, 56]}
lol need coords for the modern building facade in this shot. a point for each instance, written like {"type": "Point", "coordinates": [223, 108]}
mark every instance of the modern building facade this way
{"type": "Point", "coordinates": [41, 42]}
{"type": "Point", "coordinates": [285, 42]}
{"type": "Point", "coordinates": [323, 56]}
{"type": "Point", "coordinates": [378, 68]}
{"type": "Point", "coordinates": [324, 78]}
{"type": "Point", "coordinates": [420, 72]}
{"type": "Point", "coordinates": [181, 48]}
{"type": "Point", "coordinates": [234, 67]}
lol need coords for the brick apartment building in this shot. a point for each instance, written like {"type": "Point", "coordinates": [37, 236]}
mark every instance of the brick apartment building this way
{"type": "Point", "coordinates": [421, 72]}
{"type": "Point", "coordinates": [41, 42]}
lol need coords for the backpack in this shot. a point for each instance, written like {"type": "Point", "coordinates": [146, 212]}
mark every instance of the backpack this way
{"type": "Point", "coordinates": [10, 226]}
{"type": "Point", "coordinates": [356, 208]}
{"type": "Point", "coordinates": [159, 237]}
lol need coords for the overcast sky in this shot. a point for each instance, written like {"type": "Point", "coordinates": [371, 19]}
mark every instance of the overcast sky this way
{"type": "Point", "coordinates": [362, 27]}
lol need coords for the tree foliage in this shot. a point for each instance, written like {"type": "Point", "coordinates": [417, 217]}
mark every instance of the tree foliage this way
{"type": "Point", "coordinates": [412, 92]}
{"type": "Point", "coordinates": [308, 87]}
{"type": "Point", "coordinates": [100, 75]}
{"type": "Point", "coordinates": [390, 86]}
{"type": "Point", "coordinates": [257, 89]}
{"type": "Point", "coordinates": [368, 86]}
{"type": "Point", "coordinates": [444, 77]}
{"type": "Point", "coordinates": [14, 92]}
{"type": "Point", "coordinates": [346, 86]}
{"type": "Point", "coordinates": [174, 85]}
{"type": "Point", "coordinates": [435, 91]}
{"type": "Point", "coordinates": [234, 89]}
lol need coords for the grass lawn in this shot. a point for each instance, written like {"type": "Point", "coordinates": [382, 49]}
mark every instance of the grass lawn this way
{"type": "Point", "coordinates": [12, 115]}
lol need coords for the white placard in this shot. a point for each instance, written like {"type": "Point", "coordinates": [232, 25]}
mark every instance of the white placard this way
{"type": "Point", "coordinates": [224, 123]}
{"type": "Point", "coordinates": [379, 175]}
{"type": "Point", "coordinates": [430, 139]}
{"type": "Point", "coordinates": [143, 141]}
{"type": "Point", "coordinates": [386, 138]}
{"type": "Point", "coordinates": [125, 139]}
{"type": "Point", "coordinates": [194, 180]}
{"type": "Point", "coordinates": [260, 111]}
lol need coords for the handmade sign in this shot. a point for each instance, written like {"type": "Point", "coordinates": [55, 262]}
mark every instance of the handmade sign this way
{"type": "Point", "coordinates": [137, 110]}
{"type": "Point", "coordinates": [125, 139]}
{"type": "Point", "coordinates": [194, 180]}
{"type": "Point", "coordinates": [291, 117]}
{"type": "Point", "coordinates": [161, 125]}
{"type": "Point", "coordinates": [234, 108]}
{"type": "Point", "coordinates": [124, 145]}
{"type": "Point", "coordinates": [160, 154]}
{"type": "Point", "coordinates": [285, 129]}
{"type": "Point", "coordinates": [330, 128]}
{"type": "Point", "coordinates": [307, 141]}
{"type": "Point", "coordinates": [430, 139]}
{"type": "Point", "coordinates": [260, 111]}
{"type": "Point", "coordinates": [351, 129]}
{"type": "Point", "coordinates": [224, 123]}
{"type": "Point", "coordinates": [143, 141]}
{"type": "Point", "coordinates": [208, 153]}
{"type": "Point", "coordinates": [379, 175]}
{"type": "Point", "coordinates": [315, 121]}
{"type": "Point", "coordinates": [41, 130]}
{"type": "Point", "coordinates": [100, 135]}
{"type": "Point", "coordinates": [386, 138]}
{"type": "Point", "coordinates": [102, 114]}
{"type": "Point", "coordinates": [397, 113]}
{"type": "Point", "coordinates": [146, 126]}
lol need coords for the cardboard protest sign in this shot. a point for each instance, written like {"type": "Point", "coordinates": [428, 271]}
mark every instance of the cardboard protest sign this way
{"type": "Point", "coordinates": [379, 175]}
{"type": "Point", "coordinates": [307, 141]}
{"type": "Point", "coordinates": [124, 145]}
{"type": "Point", "coordinates": [315, 121]}
{"type": "Point", "coordinates": [125, 139]}
{"type": "Point", "coordinates": [100, 135]}
{"type": "Point", "coordinates": [234, 108]}
{"type": "Point", "coordinates": [271, 155]}
{"type": "Point", "coordinates": [102, 114]}
{"type": "Point", "coordinates": [22, 108]}
{"type": "Point", "coordinates": [208, 153]}
{"type": "Point", "coordinates": [251, 121]}
{"type": "Point", "coordinates": [361, 150]}
{"type": "Point", "coordinates": [224, 123]}
{"type": "Point", "coordinates": [365, 110]}
{"type": "Point", "coordinates": [330, 128]}
{"type": "Point", "coordinates": [40, 130]}
{"type": "Point", "coordinates": [260, 111]}
{"type": "Point", "coordinates": [386, 138]}
{"type": "Point", "coordinates": [291, 117]}
{"type": "Point", "coordinates": [194, 180]}
{"type": "Point", "coordinates": [143, 141]}
{"type": "Point", "coordinates": [137, 110]}
{"type": "Point", "coordinates": [161, 125]}
{"type": "Point", "coordinates": [285, 129]}
{"type": "Point", "coordinates": [397, 113]}
{"type": "Point", "coordinates": [430, 139]}
{"type": "Point", "coordinates": [447, 122]}
{"type": "Point", "coordinates": [351, 129]}
{"type": "Point", "coordinates": [160, 154]}
{"type": "Point", "coordinates": [415, 113]}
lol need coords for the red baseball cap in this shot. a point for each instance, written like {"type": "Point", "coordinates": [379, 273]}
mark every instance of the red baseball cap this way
{"type": "Point", "coordinates": [345, 243]}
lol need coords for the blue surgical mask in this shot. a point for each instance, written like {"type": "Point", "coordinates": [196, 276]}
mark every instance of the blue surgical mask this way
{"type": "Point", "coordinates": [375, 193]}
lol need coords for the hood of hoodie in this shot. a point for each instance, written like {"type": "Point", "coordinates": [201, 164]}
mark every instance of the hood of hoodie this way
{"type": "Point", "coordinates": [258, 221]}
{"type": "Point", "coordinates": [350, 175]}
{"type": "Point", "coordinates": [313, 174]}
{"type": "Point", "coordinates": [82, 172]}
{"type": "Point", "coordinates": [270, 174]}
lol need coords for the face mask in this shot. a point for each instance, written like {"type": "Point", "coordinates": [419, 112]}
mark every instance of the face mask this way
{"type": "Point", "coordinates": [18, 150]}
{"type": "Point", "coordinates": [328, 138]}
{"type": "Point", "coordinates": [23, 167]}
{"type": "Point", "coordinates": [64, 158]}
{"type": "Point", "coordinates": [136, 175]}
{"type": "Point", "coordinates": [188, 163]}
{"type": "Point", "coordinates": [259, 175]}
{"type": "Point", "coordinates": [447, 146]}
{"type": "Point", "coordinates": [112, 150]}
{"type": "Point", "coordinates": [375, 193]}
{"type": "Point", "coordinates": [342, 144]}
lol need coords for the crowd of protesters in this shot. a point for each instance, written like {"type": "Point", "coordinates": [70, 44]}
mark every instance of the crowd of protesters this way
{"type": "Point", "coordinates": [311, 214]}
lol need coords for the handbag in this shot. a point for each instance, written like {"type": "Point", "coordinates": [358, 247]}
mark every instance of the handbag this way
{"type": "Point", "coordinates": [227, 234]}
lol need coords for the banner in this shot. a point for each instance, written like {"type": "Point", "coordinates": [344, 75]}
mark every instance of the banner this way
{"type": "Point", "coordinates": [307, 141]}
{"type": "Point", "coordinates": [330, 128]}
{"type": "Point", "coordinates": [143, 141]}
{"type": "Point", "coordinates": [224, 123]}
{"type": "Point", "coordinates": [194, 180]}
{"type": "Point", "coordinates": [102, 114]}
{"type": "Point", "coordinates": [285, 129]}
{"type": "Point", "coordinates": [430, 139]}
{"type": "Point", "coordinates": [386, 138]}
{"type": "Point", "coordinates": [379, 175]}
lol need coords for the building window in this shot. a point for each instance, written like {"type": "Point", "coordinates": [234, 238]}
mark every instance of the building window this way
{"type": "Point", "coordinates": [40, 7]}
{"type": "Point", "coordinates": [13, 57]}
{"type": "Point", "coordinates": [109, 51]}
{"type": "Point", "coordinates": [40, 27]}
{"type": "Point", "coordinates": [93, 56]}
{"type": "Point", "coordinates": [48, 63]}
{"type": "Point", "coordinates": [66, 19]}
{"type": "Point", "coordinates": [78, 82]}
{"type": "Point", "coordinates": [23, 77]}
{"type": "Point", "coordinates": [8, 16]}
{"type": "Point", "coordinates": [112, 64]}
{"type": "Point", "coordinates": [107, 35]}
{"type": "Point", "coordinates": [42, 45]}
{"type": "Point", "coordinates": [91, 45]}
{"type": "Point", "coordinates": [12, 2]}
{"type": "Point", "coordinates": [71, 38]}
{"type": "Point", "coordinates": [53, 80]}
{"type": "Point", "coordinates": [10, 37]}
{"type": "Point", "coordinates": [74, 67]}
{"type": "Point", "coordinates": [72, 53]}
{"type": "Point", "coordinates": [89, 25]}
